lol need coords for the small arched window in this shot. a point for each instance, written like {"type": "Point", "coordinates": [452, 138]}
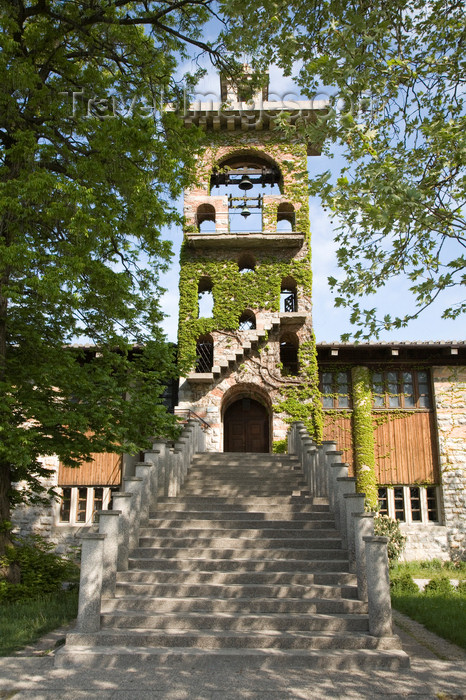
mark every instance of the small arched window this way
{"type": "Point", "coordinates": [289, 345]}
{"type": "Point", "coordinates": [246, 263]}
{"type": "Point", "coordinates": [288, 295]}
{"type": "Point", "coordinates": [247, 321]}
{"type": "Point", "coordinates": [205, 218]}
{"type": "Point", "coordinates": [286, 218]}
{"type": "Point", "coordinates": [205, 298]}
{"type": "Point", "coordinates": [204, 354]}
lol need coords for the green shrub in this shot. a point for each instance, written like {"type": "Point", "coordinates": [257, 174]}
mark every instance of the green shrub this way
{"type": "Point", "coordinates": [387, 527]}
{"type": "Point", "coordinates": [42, 571]}
{"type": "Point", "coordinates": [461, 589]}
{"type": "Point", "coordinates": [403, 583]}
{"type": "Point", "coordinates": [280, 447]}
{"type": "Point", "coordinates": [439, 585]}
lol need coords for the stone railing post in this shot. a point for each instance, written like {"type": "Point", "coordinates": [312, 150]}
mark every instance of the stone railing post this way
{"type": "Point", "coordinates": [108, 526]}
{"type": "Point", "coordinates": [293, 437]}
{"type": "Point", "coordinates": [378, 587]}
{"type": "Point", "coordinates": [160, 447]}
{"type": "Point", "coordinates": [302, 435]}
{"type": "Point", "coordinates": [199, 442]}
{"type": "Point", "coordinates": [321, 472]}
{"type": "Point", "coordinates": [311, 459]}
{"type": "Point", "coordinates": [153, 457]}
{"type": "Point", "coordinates": [346, 484]}
{"type": "Point", "coordinates": [90, 586]}
{"type": "Point", "coordinates": [122, 502]}
{"type": "Point", "coordinates": [327, 447]}
{"type": "Point", "coordinates": [363, 527]}
{"type": "Point", "coordinates": [144, 471]}
{"type": "Point", "coordinates": [338, 470]}
{"type": "Point", "coordinates": [333, 458]}
{"type": "Point", "coordinates": [184, 445]}
{"type": "Point", "coordinates": [134, 484]}
{"type": "Point", "coordinates": [354, 503]}
{"type": "Point", "coordinates": [307, 443]}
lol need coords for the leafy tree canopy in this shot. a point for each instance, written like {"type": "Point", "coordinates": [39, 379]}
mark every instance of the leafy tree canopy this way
{"type": "Point", "coordinates": [90, 164]}
{"type": "Point", "coordinates": [396, 71]}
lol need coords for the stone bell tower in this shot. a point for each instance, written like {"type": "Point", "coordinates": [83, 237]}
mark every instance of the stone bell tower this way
{"type": "Point", "coordinates": [245, 327]}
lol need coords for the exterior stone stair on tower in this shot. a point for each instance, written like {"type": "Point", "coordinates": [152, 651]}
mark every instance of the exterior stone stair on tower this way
{"type": "Point", "coordinates": [243, 563]}
{"type": "Point", "coordinates": [233, 357]}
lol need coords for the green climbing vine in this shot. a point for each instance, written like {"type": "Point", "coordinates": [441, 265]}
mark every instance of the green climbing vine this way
{"type": "Point", "coordinates": [233, 292]}
{"type": "Point", "coordinates": [363, 435]}
{"type": "Point", "coordinates": [302, 402]}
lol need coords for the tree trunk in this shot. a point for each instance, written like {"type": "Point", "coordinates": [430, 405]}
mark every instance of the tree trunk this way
{"type": "Point", "coordinates": [11, 572]}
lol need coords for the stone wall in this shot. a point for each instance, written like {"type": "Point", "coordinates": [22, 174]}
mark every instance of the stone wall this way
{"type": "Point", "coordinates": [42, 519]}
{"type": "Point", "coordinates": [425, 542]}
{"type": "Point", "coordinates": [450, 404]}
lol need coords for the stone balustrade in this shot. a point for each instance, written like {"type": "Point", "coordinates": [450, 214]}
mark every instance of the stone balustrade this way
{"type": "Point", "coordinates": [105, 552]}
{"type": "Point", "coordinates": [327, 476]}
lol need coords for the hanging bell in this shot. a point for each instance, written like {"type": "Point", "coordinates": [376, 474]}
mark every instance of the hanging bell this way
{"type": "Point", "coordinates": [245, 212]}
{"type": "Point", "coordinates": [245, 183]}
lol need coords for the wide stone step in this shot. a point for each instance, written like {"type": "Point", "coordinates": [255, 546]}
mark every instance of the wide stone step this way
{"type": "Point", "coordinates": [314, 539]}
{"type": "Point", "coordinates": [241, 564]}
{"type": "Point", "coordinates": [236, 622]}
{"type": "Point", "coordinates": [287, 578]}
{"type": "Point", "coordinates": [243, 590]}
{"type": "Point", "coordinates": [227, 523]}
{"type": "Point", "coordinates": [338, 562]}
{"type": "Point", "coordinates": [317, 549]}
{"type": "Point", "coordinates": [216, 660]}
{"type": "Point", "coordinates": [239, 515]}
{"type": "Point", "coordinates": [206, 639]}
{"type": "Point", "coordinates": [188, 508]}
{"type": "Point", "coordinates": [239, 605]}
{"type": "Point", "coordinates": [327, 579]}
{"type": "Point", "coordinates": [241, 459]}
{"type": "Point", "coordinates": [241, 492]}
{"type": "Point", "coordinates": [259, 502]}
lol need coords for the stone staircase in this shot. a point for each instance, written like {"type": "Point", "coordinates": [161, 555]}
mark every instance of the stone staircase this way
{"type": "Point", "coordinates": [233, 357]}
{"type": "Point", "coordinates": [243, 564]}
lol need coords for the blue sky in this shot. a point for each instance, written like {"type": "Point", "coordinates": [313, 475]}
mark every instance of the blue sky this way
{"type": "Point", "coordinates": [329, 322]}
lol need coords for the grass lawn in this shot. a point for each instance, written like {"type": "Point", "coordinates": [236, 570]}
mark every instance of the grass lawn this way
{"type": "Point", "coordinates": [23, 622]}
{"type": "Point", "coordinates": [429, 569]}
{"type": "Point", "coordinates": [444, 615]}
{"type": "Point", "coordinates": [440, 611]}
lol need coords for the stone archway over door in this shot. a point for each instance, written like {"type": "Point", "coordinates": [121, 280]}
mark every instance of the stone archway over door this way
{"type": "Point", "coordinates": [246, 427]}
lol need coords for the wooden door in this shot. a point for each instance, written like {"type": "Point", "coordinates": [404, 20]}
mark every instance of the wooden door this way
{"type": "Point", "coordinates": [246, 427]}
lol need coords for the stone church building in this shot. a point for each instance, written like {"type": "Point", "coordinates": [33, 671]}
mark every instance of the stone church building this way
{"type": "Point", "coordinates": [245, 331]}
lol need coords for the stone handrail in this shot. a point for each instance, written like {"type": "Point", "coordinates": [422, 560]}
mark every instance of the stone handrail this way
{"type": "Point", "coordinates": [105, 552]}
{"type": "Point", "coordinates": [327, 476]}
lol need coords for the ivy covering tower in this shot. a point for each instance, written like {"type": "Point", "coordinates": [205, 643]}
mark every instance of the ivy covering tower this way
{"type": "Point", "coordinates": [245, 325]}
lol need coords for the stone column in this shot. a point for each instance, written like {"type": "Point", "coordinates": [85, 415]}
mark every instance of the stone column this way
{"type": "Point", "coordinates": [333, 458]}
{"type": "Point", "coordinates": [122, 503]}
{"type": "Point", "coordinates": [363, 527]}
{"type": "Point", "coordinates": [307, 443]}
{"type": "Point", "coordinates": [184, 459]}
{"type": "Point", "coordinates": [144, 471]}
{"type": "Point", "coordinates": [378, 587]}
{"type": "Point", "coordinates": [152, 457]}
{"type": "Point", "coordinates": [354, 503]}
{"type": "Point", "coordinates": [134, 485]}
{"type": "Point", "coordinates": [346, 484]}
{"type": "Point", "coordinates": [108, 526]}
{"type": "Point", "coordinates": [337, 471]}
{"type": "Point", "coordinates": [171, 482]}
{"type": "Point", "coordinates": [161, 448]}
{"type": "Point", "coordinates": [311, 477]}
{"type": "Point", "coordinates": [90, 586]}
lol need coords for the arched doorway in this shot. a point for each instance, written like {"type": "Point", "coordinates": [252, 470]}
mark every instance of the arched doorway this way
{"type": "Point", "coordinates": [246, 427]}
